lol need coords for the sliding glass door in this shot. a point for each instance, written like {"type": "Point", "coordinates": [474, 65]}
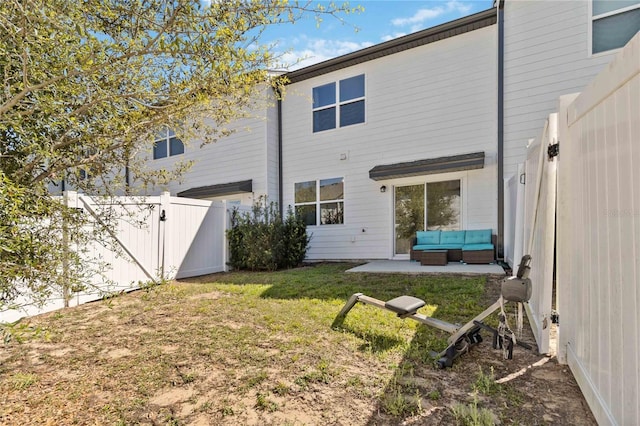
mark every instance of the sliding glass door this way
{"type": "Point", "coordinates": [431, 206]}
{"type": "Point", "coordinates": [409, 215]}
{"type": "Point", "coordinates": [443, 205]}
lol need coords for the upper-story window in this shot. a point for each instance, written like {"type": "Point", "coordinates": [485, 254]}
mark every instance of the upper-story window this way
{"type": "Point", "coordinates": [614, 23]}
{"type": "Point", "coordinates": [338, 105]}
{"type": "Point", "coordinates": [167, 144]}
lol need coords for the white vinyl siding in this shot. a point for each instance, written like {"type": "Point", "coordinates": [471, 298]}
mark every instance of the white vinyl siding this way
{"type": "Point", "coordinates": [546, 56]}
{"type": "Point", "coordinates": [250, 152]}
{"type": "Point", "coordinates": [431, 101]}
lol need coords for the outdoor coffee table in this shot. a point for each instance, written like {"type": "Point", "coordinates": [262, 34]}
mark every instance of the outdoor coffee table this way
{"type": "Point", "coordinates": [433, 257]}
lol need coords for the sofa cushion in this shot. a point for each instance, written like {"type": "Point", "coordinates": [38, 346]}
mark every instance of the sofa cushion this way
{"type": "Point", "coordinates": [450, 246]}
{"type": "Point", "coordinates": [477, 247]}
{"type": "Point", "coordinates": [452, 237]}
{"type": "Point", "coordinates": [428, 237]}
{"type": "Point", "coordinates": [427, 247]}
{"type": "Point", "coordinates": [437, 247]}
{"type": "Point", "coordinates": [478, 236]}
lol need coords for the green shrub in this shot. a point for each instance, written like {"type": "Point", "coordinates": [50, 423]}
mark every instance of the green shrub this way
{"type": "Point", "coordinates": [262, 240]}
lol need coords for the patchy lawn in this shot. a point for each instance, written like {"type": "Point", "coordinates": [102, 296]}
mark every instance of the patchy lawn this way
{"type": "Point", "coordinates": [258, 348]}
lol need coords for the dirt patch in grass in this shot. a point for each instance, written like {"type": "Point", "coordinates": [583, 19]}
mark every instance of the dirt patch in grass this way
{"type": "Point", "coordinates": [259, 349]}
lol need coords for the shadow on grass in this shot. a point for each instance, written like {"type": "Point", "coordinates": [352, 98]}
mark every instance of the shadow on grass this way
{"type": "Point", "coordinates": [373, 342]}
{"type": "Point", "coordinates": [329, 281]}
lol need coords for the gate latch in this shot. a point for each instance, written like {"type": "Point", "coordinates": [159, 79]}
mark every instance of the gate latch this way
{"type": "Point", "coordinates": [553, 150]}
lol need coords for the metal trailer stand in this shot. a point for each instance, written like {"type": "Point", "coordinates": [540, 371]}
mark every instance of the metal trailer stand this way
{"type": "Point", "coordinates": [514, 289]}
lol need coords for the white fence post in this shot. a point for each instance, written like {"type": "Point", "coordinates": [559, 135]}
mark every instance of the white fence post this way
{"type": "Point", "coordinates": [70, 199]}
{"type": "Point", "coordinates": [519, 219]}
{"type": "Point", "coordinates": [226, 224]}
{"type": "Point", "coordinates": [514, 217]}
{"type": "Point", "coordinates": [165, 204]}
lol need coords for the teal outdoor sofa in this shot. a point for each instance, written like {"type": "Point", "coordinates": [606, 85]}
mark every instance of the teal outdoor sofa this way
{"type": "Point", "coordinates": [468, 246]}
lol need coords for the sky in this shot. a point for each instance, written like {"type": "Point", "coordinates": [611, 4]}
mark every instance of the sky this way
{"type": "Point", "coordinates": [381, 20]}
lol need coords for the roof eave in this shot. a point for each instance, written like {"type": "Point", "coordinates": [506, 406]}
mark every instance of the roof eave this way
{"type": "Point", "coordinates": [410, 41]}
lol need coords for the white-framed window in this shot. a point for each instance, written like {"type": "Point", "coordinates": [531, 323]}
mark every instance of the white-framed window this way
{"type": "Point", "coordinates": [613, 23]}
{"type": "Point", "coordinates": [338, 104]}
{"type": "Point", "coordinates": [320, 202]}
{"type": "Point", "coordinates": [167, 145]}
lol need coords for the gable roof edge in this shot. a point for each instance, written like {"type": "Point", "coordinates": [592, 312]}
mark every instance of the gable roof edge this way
{"type": "Point", "coordinates": [440, 32]}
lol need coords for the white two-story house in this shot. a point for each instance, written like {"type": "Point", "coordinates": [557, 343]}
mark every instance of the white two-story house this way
{"type": "Point", "coordinates": [384, 141]}
{"type": "Point", "coordinates": [418, 132]}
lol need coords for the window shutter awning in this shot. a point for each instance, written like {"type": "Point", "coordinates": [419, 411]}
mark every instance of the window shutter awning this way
{"type": "Point", "coordinates": [454, 163]}
{"type": "Point", "coordinates": [218, 190]}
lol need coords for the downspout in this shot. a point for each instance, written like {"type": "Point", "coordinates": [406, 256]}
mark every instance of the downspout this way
{"type": "Point", "coordinates": [127, 171]}
{"type": "Point", "coordinates": [500, 242]}
{"type": "Point", "coordinates": [280, 195]}
{"type": "Point", "coordinates": [127, 183]}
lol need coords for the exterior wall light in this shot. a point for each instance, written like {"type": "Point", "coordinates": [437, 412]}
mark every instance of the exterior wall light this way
{"type": "Point", "coordinates": [383, 188]}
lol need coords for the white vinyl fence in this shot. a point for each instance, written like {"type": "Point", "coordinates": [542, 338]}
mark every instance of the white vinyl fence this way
{"type": "Point", "coordinates": [514, 189]}
{"type": "Point", "coordinates": [151, 238]}
{"type": "Point", "coordinates": [598, 241]}
{"type": "Point", "coordinates": [533, 227]}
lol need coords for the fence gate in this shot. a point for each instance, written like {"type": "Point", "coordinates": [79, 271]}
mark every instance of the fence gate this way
{"type": "Point", "coordinates": [539, 229]}
{"type": "Point", "coordinates": [130, 253]}
{"type": "Point", "coordinates": [194, 238]}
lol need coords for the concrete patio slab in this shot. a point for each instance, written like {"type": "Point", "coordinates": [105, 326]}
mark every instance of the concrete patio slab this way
{"type": "Point", "coordinates": [412, 267]}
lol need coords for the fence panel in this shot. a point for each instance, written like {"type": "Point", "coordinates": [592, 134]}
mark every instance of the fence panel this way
{"type": "Point", "coordinates": [131, 254]}
{"type": "Point", "coordinates": [150, 238]}
{"type": "Point", "coordinates": [539, 230]}
{"type": "Point", "coordinates": [514, 217]}
{"type": "Point", "coordinates": [599, 239]}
